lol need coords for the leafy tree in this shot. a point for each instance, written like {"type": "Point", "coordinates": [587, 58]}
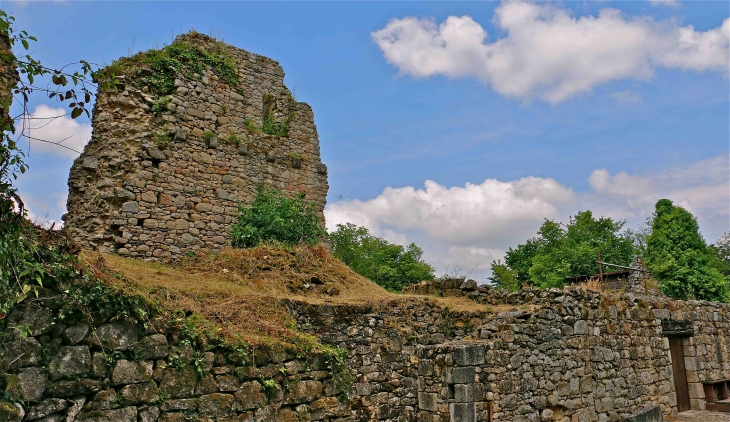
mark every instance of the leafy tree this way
{"type": "Point", "coordinates": [503, 277]}
{"type": "Point", "coordinates": [274, 217]}
{"type": "Point", "coordinates": [520, 260]}
{"type": "Point", "coordinates": [721, 248]}
{"type": "Point", "coordinates": [390, 266]}
{"type": "Point", "coordinates": [679, 258]}
{"type": "Point", "coordinates": [560, 251]}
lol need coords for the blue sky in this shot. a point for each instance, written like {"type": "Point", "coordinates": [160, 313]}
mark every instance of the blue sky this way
{"type": "Point", "coordinates": [601, 105]}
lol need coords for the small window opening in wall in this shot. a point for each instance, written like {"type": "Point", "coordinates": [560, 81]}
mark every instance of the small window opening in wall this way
{"type": "Point", "coordinates": [140, 222]}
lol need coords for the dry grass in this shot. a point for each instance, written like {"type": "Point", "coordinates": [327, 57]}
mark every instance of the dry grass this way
{"type": "Point", "coordinates": [593, 284]}
{"type": "Point", "coordinates": [244, 291]}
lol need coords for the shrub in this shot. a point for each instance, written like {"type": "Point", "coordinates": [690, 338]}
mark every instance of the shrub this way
{"type": "Point", "coordinates": [274, 217]}
{"type": "Point", "coordinates": [559, 251]}
{"type": "Point", "coordinates": [679, 257]}
{"type": "Point", "coordinates": [390, 266]}
{"type": "Point", "coordinates": [503, 277]}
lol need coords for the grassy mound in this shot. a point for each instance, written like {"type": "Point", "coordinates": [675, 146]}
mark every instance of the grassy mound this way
{"type": "Point", "coordinates": [243, 293]}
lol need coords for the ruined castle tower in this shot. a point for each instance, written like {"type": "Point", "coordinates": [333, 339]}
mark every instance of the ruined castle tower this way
{"type": "Point", "coordinates": [190, 132]}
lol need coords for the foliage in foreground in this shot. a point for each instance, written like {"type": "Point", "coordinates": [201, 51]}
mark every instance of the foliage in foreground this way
{"type": "Point", "coordinates": [390, 266]}
{"type": "Point", "coordinates": [679, 258]}
{"type": "Point", "coordinates": [274, 217]}
{"type": "Point", "coordinates": [561, 251]}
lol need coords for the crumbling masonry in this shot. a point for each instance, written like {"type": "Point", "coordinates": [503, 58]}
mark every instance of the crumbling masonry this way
{"type": "Point", "coordinates": [164, 174]}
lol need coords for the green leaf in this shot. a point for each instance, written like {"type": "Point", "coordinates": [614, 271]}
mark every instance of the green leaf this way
{"type": "Point", "coordinates": [76, 112]}
{"type": "Point", "coordinates": [25, 44]}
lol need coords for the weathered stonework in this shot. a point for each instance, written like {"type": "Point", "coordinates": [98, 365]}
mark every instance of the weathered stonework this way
{"type": "Point", "coordinates": [553, 355]}
{"type": "Point", "coordinates": [118, 370]}
{"type": "Point", "coordinates": [576, 356]}
{"type": "Point", "coordinates": [157, 184]}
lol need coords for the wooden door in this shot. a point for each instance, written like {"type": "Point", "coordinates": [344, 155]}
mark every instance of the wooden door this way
{"type": "Point", "coordinates": [680, 375]}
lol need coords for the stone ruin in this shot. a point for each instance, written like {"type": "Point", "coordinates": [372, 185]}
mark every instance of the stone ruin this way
{"type": "Point", "coordinates": [534, 355]}
{"type": "Point", "coordinates": [164, 175]}
{"type": "Point", "coordinates": [543, 355]}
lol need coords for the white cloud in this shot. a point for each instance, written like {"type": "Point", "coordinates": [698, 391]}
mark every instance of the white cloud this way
{"type": "Point", "coordinates": [45, 124]}
{"type": "Point", "coordinates": [670, 3]}
{"type": "Point", "coordinates": [463, 227]}
{"type": "Point", "coordinates": [40, 211]}
{"type": "Point", "coordinates": [703, 188]}
{"type": "Point", "coordinates": [547, 53]}
{"type": "Point", "coordinates": [483, 214]}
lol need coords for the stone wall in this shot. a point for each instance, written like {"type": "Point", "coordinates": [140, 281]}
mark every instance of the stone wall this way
{"type": "Point", "coordinates": [118, 370]}
{"type": "Point", "coordinates": [554, 355]}
{"type": "Point", "coordinates": [164, 176]}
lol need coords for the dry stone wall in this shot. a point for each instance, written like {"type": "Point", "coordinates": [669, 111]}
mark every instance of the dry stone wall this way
{"type": "Point", "coordinates": [554, 355]}
{"type": "Point", "coordinates": [164, 176]}
{"type": "Point", "coordinates": [577, 356]}
{"type": "Point", "coordinates": [118, 370]}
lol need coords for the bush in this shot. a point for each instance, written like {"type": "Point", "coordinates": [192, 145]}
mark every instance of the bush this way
{"type": "Point", "coordinates": [503, 277]}
{"type": "Point", "coordinates": [274, 217]}
{"type": "Point", "coordinates": [559, 251]}
{"type": "Point", "coordinates": [679, 258]}
{"type": "Point", "coordinates": [390, 266]}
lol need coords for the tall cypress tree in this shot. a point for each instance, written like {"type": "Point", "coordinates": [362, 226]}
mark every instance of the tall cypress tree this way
{"type": "Point", "coordinates": [679, 257]}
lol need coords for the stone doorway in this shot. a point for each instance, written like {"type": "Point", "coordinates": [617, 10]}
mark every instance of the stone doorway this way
{"type": "Point", "coordinates": [681, 386]}
{"type": "Point", "coordinates": [678, 332]}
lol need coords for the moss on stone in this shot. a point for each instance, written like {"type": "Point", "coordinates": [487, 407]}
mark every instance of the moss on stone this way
{"type": "Point", "coordinates": [158, 69]}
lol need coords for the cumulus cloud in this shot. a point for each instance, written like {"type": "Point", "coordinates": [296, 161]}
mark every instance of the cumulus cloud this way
{"type": "Point", "coordinates": [461, 216]}
{"type": "Point", "coordinates": [548, 54]}
{"type": "Point", "coordinates": [701, 187]}
{"type": "Point", "coordinates": [464, 227]}
{"type": "Point", "coordinates": [60, 135]}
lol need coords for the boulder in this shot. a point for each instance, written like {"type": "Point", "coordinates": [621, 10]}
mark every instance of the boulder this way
{"type": "Point", "coordinates": [148, 414]}
{"type": "Point", "coordinates": [131, 372]}
{"type": "Point", "coordinates": [215, 405]}
{"type": "Point", "coordinates": [37, 319]}
{"type": "Point", "coordinates": [135, 394]}
{"type": "Point", "coordinates": [302, 391]}
{"type": "Point", "coordinates": [22, 353]}
{"type": "Point", "coordinates": [73, 388]}
{"type": "Point", "coordinates": [76, 333]}
{"type": "Point", "coordinates": [70, 361]}
{"type": "Point", "coordinates": [33, 383]}
{"type": "Point", "coordinates": [116, 335]}
{"type": "Point", "coordinates": [250, 396]}
{"type": "Point", "coordinates": [127, 414]}
{"type": "Point", "coordinates": [152, 347]}
{"type": "Point", "coordinates": [45, 408]}
{"type": "Point", "coordinates": [179, 383]}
